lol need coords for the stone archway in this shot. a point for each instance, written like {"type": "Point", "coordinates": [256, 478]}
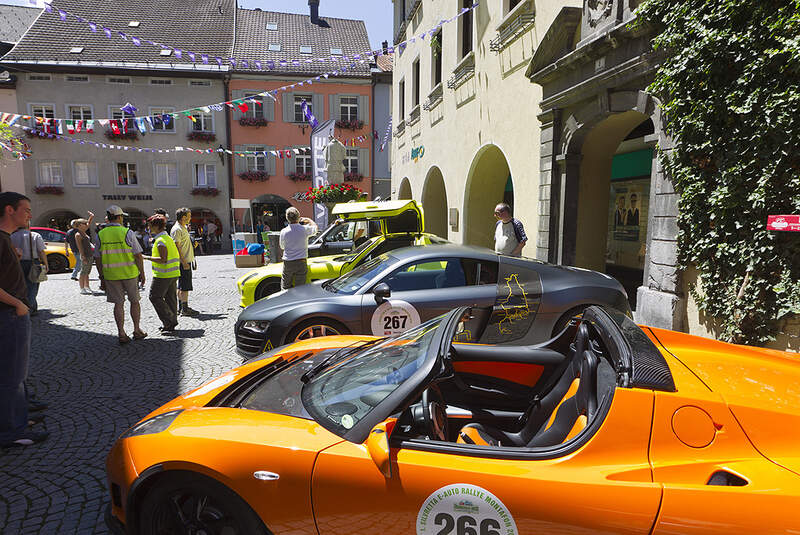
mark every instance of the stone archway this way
{"type": "Point", "coordinates": [487, 185]}
{"type": "Point", "coordinates": [434, 203]}
{"type": "Point", "coordinates": [270, 209]}
{"type": "Point", "coordinates": [57, 219]}
{"type": "Point", "coordinates": [404, 191]}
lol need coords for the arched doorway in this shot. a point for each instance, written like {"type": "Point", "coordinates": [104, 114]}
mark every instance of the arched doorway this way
{"type": "Point", "coordinates": [205, 216]}
{"type": "Point", "coordinates": [269, 209]}
{"type": "Point", "coordinates": [57, 219]}
{"type": "Point", "coordinates": [404, 192]}
{"type": "Point", "coordinates": [135, 219]}
{"type": "Point", "coordinates": [434, 203]}
{"type": "Point", "coordinates": [488, 184]}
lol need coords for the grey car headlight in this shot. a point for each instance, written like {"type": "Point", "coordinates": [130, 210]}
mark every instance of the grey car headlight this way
{"type": "Point", "coordinates": [153, 425]}
{"type": "Point", "coordinates": [258, 326]}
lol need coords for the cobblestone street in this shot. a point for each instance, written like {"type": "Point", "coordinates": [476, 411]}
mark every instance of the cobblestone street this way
{"type": "Point", "coordinates": [97, 389]}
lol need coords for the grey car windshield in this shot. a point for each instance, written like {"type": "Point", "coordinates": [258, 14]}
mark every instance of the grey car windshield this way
{"type": "Point", "coordinates": [351, 282]}
{"type": "Point", "coordinates": [346, 392]}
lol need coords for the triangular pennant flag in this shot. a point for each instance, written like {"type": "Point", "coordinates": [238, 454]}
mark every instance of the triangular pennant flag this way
{"type": "Point", "coordinates": [243, 107]}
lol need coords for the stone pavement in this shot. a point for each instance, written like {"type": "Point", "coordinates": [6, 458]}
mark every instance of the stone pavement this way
{"type": "Point", "coordinates": [97, 389]}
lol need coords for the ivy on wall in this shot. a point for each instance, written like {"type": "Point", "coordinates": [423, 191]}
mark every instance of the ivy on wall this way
{"type": "Point", "coordinates": [730, 90]}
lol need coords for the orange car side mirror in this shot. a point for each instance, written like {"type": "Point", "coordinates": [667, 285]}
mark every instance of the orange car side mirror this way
{"type": "Point", "coordinates": [378, 447]}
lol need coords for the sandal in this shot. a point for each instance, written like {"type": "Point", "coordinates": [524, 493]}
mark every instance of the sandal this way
{"type": "Point", "coordinates": [140, 335]}
{"type": "Point", "coordinates": [124, 339]}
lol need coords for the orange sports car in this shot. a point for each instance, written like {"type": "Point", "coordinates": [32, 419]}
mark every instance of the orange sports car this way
{"type": "Point", "coordinates": [607, 428]}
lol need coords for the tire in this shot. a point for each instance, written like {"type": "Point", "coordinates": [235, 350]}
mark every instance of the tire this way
{"type": "Point", "coordinates": [316, 327]}
{"type": "Point", "coordinates": [191, 503]}
{"type": "Point", "coordinates": [567, 317]}
{"type": "Point", "coordinates": [266, 288]}
{"type": "Point", "coordinates": [57, 263]}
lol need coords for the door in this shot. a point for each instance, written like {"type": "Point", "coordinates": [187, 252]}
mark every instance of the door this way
{"type": "Point", "coordinates": [604, 487]}
{"type": "Point", "coordinates": [423, 290]}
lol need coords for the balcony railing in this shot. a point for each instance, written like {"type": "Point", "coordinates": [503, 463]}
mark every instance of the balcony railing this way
{"type": "Point", "coordinates": [414, 117]}
{"type": "Point", "coordinates": [511, 31]}
{"type": "Point", "coordinates": [434, 98]}
{"type": "Point", "coordinates": [399, 129]}
{"type": "Point", "coordinates": [463, 72]}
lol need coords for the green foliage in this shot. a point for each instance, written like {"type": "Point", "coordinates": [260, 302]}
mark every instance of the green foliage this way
{"type": "Point", "coordinates": [730, 90]}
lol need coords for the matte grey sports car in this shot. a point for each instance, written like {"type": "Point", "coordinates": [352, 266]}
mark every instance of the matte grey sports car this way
{"type": "Point", "coordinates": [406, 287]}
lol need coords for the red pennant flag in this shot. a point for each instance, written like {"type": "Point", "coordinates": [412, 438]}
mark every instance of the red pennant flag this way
{"type": "Point", "coordinates": [78, 126]}
{"type": "Point", "coordinates": [243, 107]}
{"type": "Point", "coordinates": [115, 126]}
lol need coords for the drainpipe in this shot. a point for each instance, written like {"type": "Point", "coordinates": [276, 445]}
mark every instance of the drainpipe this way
{"type": "Point", "coordinates": [373, 122]}
{"type": "Point", "coordinates": [226, 84]}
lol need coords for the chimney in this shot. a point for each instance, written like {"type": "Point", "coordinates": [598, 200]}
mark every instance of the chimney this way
{"type": "Point", "coordinates": [314, 5]}
{"type": "Point", "coordinates": [385, 46]}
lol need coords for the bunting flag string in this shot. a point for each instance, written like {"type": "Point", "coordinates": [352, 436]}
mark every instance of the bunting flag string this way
{"type": "Point", "coordinates": [205, 58]}
{"type": "Point", "coordinates": [387, 135]}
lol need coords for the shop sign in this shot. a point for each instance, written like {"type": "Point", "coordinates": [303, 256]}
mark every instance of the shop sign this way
{"type": "Point", "coordinates": [127, 197]}
{"type": "Point", "coordinates": [418, 153]}
{"type": "Point", "coordinates": [786, 223]}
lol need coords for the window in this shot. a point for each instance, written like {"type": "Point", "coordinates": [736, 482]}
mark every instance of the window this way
{"type": "Point", "coordinates": [511, 5]}
{"type": "Point", "coordinates": [76, 50]}
{"type": "Point", "coordinates": [271, 26]}
{"type": "Point", "coordinates": [50, 174]}
{"type": "Point", "coordinates": [114, 112]}
{"type": "Point", "coordinates": [254, 111]}
{"type": "Point", "coordinates": [298, 107]}
{"type": "Point", "coordinates": [80, 78]}
{"type": "Point", "coordinates": [255, 162]}
{"type": "Point", "coordinates": [79, 113]}
{"type": "Point", "coordinates": [305, 49]}
{"type": "Point", "coordinates": [351, 161]}
{"type": "Point", "coordinates": [43, 110]}
{"type": "Point", "coordinates": [480, 272]}
{"type": "Point", "coordinates": [436, 58]}
{"type": "Point", "coordinates": [118, 80]}
{"type": "Point", "coordinates": [204, 123]}
{"type": "Point", "coordinates": [205, 175]}
{"type": "Point", "coordinates": [126, 174]}
{"type": "Point", "coordinates": [160, 81]}
{"type": "Point", "coordinates": [303, 164]}
{"type": "Point", "coordinates": [166, 175]}
{"type": "Point", "coordinates": [39, 77]}
{"type": "Point", "coordinates": [466, 29]}
{"type": "Point", "coordinates": [348, 108]}
{"type": "Point", "coordinates": [200, 83]}
{"type": "Point", "coordinates": [165, 52]}
{"type": "Point", "coordinates": [427, 275]}
{"type": "Point", "coordinates": [402, 99]}
{"type": "Point", "coordinates": [134, 24]}
{"type": "Point", "coordinates": [85, 174]}
{"type": "Point", "coordinates": [159, 124]}
{"type": "Point", "coordinates": [415, 86]}
{"type": "Point", "coordinates": [274, 48]}
{"type": "Point", "coordinates": [336, 52]}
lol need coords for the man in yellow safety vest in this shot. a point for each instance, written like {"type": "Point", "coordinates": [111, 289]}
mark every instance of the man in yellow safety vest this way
{"type": "Point", "coordinates": [121, 260]}
{"type": "Point", "coordinates": [166, 271]}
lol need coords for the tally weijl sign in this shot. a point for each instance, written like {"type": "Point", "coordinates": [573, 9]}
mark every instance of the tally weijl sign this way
{"type": "Point", "coordinates": [127, 197]}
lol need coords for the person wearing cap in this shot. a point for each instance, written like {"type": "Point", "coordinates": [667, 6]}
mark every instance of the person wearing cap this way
{"type": "Point", "coordinates": [166, 271]}
{"type": "Point", "coordinates": [123, 267]}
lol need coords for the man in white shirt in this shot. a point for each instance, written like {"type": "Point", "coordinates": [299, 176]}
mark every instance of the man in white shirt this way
{"type": "Point", "coordinates": [294, 242]}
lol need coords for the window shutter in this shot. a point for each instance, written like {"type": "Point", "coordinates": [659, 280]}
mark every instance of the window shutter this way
{"type": "Point", "coordinates": [333, 109]}
{"type": "Point", "coordinates": [363, 109]}
{"type": "Point", "coordinates": [288, 107]}
{"type": "Point", "coordinates": [290, 164]}
{"type": "Point", "coordinates": [318, 104]}
{"type": "Point", "coordinates": [236, 94]}
{"type": "Point", "coordinates": [270, 161]}
{"type": "Point", "coordinates": [363, 162]}
{"type": "Point", "coordinates": [269, 108]}
{"type": "Point", "coordinates": [240, 164]}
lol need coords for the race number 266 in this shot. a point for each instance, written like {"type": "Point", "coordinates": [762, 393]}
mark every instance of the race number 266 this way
{"type": "Point", "coordinates": [466, 525]}
{"type": "Point", "coordinates": [395, 322]}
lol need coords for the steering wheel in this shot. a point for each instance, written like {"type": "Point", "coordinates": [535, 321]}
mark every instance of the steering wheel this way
{"type": "Point", "coordinates": [434, 413]}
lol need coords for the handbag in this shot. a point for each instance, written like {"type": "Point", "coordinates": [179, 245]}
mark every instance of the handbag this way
{"type": "Point", "coordinates": [36, 274]}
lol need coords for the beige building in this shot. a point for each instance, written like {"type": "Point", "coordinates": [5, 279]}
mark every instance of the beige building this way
{"type": "Point", "coordinates": [466, 133]}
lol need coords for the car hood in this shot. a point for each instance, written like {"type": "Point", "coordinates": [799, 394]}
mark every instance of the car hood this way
{"type": "Point", "coordinates": [275, 303]}
{"type": "Point", "coordinates": [319, 262]}
{"type": "Point", "coordinates": [760, 386]}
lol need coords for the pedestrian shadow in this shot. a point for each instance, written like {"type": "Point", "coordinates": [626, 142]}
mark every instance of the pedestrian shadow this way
{"type": "Point", "coordinates": [186, 333]}
{"type": "Point", "coordinates": [206, 317]}
{"type": "Point", "coordinates": [46, 315]}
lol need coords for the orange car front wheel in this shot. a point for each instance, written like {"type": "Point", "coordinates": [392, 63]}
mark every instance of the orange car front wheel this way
{"type": "Point", "coordinates": [192, 503]}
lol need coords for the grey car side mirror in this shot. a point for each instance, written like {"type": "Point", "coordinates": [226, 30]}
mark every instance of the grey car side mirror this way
{"type": "Point", "coordinates": [382, 292]}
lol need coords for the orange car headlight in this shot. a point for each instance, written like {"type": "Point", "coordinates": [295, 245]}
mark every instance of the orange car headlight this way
{"type": "Point", "coordinates": [153, 425]}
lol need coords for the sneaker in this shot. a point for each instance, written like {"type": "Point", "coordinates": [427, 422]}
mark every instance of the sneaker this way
{"type": "Point", "coordinates": [86, 291]}
{"type": "Point", "coordinates": [27, 438]}
{"type": "Point", "coordinates": [187, 311]}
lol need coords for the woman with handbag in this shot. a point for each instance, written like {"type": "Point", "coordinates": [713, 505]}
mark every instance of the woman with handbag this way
{"type": "Point", "coordinates": [33, 262]}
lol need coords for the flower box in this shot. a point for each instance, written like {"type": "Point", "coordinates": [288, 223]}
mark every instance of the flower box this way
{"type": "Point", "coordinates": [353, 177]}
{"type": "Point", "coordinates": [350, 125]}
{"type": "Point", "coordinates": [207, 192]}
{"type": "Point", "coordinates": [49, 190]}
{"type": "Point", "coordinates": [253, 121]}
{"type": "Point", "coordinates": [334, 193]}
{"type": "Point", "coordinates": [254, 176]}
{"type": "Point", "coordinates": [299, 177]}
{"type": "Point", "coordinates": [202, 136]}
{"type": "Point", "coordinates": [130, 135]}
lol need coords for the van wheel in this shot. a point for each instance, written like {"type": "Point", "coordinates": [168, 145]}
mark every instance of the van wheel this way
{"type": "Point", "coordinates": [315, 328]}
{"type": "Point", "coordinates": [266, 288]}
{"type": "Point", "coordinates": [57, 263]}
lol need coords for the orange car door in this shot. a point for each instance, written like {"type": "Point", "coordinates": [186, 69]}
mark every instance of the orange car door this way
{"type": "Point", "coordinates": [603, 487]}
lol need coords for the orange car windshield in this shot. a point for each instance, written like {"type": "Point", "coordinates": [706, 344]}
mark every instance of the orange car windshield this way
{"type": "Point", "coordinates": [346, 392]}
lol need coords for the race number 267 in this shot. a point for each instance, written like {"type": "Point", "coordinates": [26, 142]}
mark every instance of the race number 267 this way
{"type": "Point", "coordinates": [395, 322]}
{"type": "Point", "coordinates": [466, 525]}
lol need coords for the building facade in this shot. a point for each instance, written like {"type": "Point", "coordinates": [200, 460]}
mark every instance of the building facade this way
{"type": "Point", "coordinates": [466, 132]}
{"type": "Point", "coordinates": [86, 77]}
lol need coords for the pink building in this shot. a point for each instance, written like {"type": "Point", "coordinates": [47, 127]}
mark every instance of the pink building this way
{"type": "Point", "coordinates": [295, 48]}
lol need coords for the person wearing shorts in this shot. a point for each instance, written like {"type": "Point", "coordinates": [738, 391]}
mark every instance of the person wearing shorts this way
{"type": "Point", "coordinates": [85, 250]}
{"type": "Point", "coordinates": [123, 270]}
{"type": "Point", "coordinates": [180, 235]}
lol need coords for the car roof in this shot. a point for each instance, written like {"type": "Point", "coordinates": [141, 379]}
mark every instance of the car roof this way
{"type": "Point", "coordinates": [48, 228]}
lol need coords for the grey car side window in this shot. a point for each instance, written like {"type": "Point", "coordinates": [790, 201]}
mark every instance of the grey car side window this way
{"type": "Point", "coordinates": [427, 275]}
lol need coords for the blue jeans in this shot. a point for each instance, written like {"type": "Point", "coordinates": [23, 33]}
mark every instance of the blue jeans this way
{"type": "Point", "coordinates": [77, 270]}
{"type": "Point", "coordinates": [15, 339]}
{"type": "Point", "coordinates": [33, 287]}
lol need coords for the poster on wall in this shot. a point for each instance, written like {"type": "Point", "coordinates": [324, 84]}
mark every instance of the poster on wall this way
{"type": "Point", "coordinates": [627, 222]}
{"type": "Point", "coordinates": [320, 137]}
